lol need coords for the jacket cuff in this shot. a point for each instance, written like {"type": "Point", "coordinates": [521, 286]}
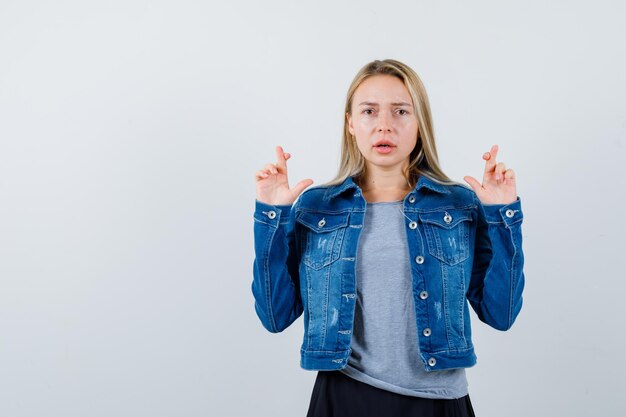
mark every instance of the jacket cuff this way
{"type": "Point", "coordinates": [504, 213]}
{"type": "Point", "coordinates": [270, 214]}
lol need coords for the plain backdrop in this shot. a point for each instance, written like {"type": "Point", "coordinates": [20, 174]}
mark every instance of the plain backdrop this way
{"type": "Point", "coordinates": [130, 132]}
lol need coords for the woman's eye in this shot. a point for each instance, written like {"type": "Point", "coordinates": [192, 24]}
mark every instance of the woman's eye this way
{"type": "Point", "coordinates": [368, 111]}
{"type": "Point", "coordinates": [403, 112]}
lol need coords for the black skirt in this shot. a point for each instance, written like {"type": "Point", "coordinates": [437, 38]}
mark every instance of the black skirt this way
{"type": "Point", "coordinates": [338, 395]}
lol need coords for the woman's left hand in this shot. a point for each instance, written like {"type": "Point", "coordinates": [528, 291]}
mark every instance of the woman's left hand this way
{"type": "Point", "coordinates": [498, 185]}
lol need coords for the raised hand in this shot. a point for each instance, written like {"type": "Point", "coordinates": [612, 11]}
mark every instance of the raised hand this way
{"type": "Point", "coordinates": [272, 184]}
{"type": "Point", "coordinates": [498, 185]}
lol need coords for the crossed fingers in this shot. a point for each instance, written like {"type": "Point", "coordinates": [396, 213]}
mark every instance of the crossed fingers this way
{"type": "Point", "coordinates": [279, 166]}
{"type": "Point", "coordinates": [496, 169]}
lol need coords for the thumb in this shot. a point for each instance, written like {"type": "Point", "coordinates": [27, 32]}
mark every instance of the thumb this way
{"type": "Point", "coordinates": [299, 187]}
{"type": "Point", "coordinates": [473, 182]}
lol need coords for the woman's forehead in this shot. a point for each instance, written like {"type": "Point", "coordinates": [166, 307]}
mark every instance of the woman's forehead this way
{"type": "Point", "coordinates": [382, 89]}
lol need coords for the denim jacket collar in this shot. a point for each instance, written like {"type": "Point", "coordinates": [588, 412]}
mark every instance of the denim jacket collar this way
{"type": "Point", "coordinates": [349, 183]}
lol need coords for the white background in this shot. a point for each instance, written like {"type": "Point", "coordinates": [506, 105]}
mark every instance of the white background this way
{"type": "Point", "coordinates": [130, 132]}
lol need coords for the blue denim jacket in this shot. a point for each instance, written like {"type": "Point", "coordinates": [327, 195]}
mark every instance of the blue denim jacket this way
{"type": "Point", "coordinates": [459, 249]}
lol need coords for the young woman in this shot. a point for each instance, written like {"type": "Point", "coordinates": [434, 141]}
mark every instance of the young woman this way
{"type": "Point", "coordinates": [383, 260]}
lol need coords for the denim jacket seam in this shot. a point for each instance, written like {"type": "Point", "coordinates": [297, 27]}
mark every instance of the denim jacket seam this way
{"type": "Point", "coordinates": [468, 349]}
{"type": "Point", "coordinates": [512, 278]}
{"type": "Point", "coordinates": [420, 210]}
{"type": "Point", "coordinates": [306, 210]}
{"type": "Point", "coordinates": [267, 278]}
{"type": "Point", "coordinates": [271, 224]}
{"type": "Point", "coordinates": [331, 352]}
{"type": "Point", "coordinates": [514, 222]}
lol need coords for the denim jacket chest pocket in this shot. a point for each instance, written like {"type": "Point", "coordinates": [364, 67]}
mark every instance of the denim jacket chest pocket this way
{"type": "Point", "coordinates": [447, 234]}
{"type": "Point", "coordinates": [321, 237]}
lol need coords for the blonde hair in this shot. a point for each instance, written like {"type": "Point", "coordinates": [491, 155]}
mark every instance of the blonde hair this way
{"type": "Point", "coordinates": [423, 160]}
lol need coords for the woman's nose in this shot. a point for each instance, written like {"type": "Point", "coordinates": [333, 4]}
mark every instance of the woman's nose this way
{"type": "Point", "coordinates": [384, 123]}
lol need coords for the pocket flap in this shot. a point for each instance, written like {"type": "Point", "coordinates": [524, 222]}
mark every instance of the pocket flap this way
{"type": "Point", "coordinates": [446, 218]}
{"type": "Point", "coordinates": [323, 222]}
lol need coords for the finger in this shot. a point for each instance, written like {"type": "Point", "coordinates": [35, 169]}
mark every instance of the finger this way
{"type": "Point", "coordinates": [500, 168]}
{"type": "Point", "coordinates": [287, 155]}
{"type": "Point", "coordinates": [491, 161]}
{"type": "Point", "coordinates": [299, 187]}
{"type": "Point", "coordinates": [259, 175]}
{"type": "Point", "coordinates": [494, 151]}
{"type": "Point", "coordinates": [509, 174]}
{"type": "Point", "coordinates": [271, 169]}
{"type": "Point", "coordinates": [473, 182]}
{"type": "Point", "coordinates": [281, 162]}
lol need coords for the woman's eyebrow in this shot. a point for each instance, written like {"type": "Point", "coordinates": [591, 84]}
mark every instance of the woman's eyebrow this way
{"type": "Point", "coordinates": [371, 103]}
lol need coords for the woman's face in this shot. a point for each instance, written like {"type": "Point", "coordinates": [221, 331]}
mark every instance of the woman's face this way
{"type": "Point", "coordinates": [383, 121]}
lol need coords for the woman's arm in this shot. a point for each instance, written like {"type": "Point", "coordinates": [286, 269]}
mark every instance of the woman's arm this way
{"type": "Point", "coordinates": [497, 281]}
{"type": "Point", "coordinates": [276, 283]}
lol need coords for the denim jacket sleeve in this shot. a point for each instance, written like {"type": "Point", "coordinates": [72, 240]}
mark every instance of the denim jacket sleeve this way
{"type": "Point", "coordinates": [497, 281]}
{"type": "Point", "coordinates": [276, 284]}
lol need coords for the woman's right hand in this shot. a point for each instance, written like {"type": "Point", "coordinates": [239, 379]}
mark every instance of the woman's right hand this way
{"type": "Point", "coordinates": [272, 184]}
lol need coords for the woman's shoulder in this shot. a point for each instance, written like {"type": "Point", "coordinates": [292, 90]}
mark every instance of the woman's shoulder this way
{"type": "Point", "coordinates": [455, 193]}
{"type": "Point", "coordinates": [461, 189]}
{"type": "Point", "coordinates": [431, 181]}
{"type": "Point", "coordinates": [324, 196]}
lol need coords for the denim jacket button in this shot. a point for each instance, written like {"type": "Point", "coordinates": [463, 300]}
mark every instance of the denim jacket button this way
{"type": "Point", "coordinates": [432, 361]}
{"type": "Point", "coordinates": [419, 259]}
{"type": "Point", "coordinates": [412, 199]}
{"type": "Point", "coordinates": [426, 332]}
{"type": "Point", "coordinates": [509, 213]}
{"type": "Point", "coordinates": [412, 225]}
{"type": "Point", "coordinates": [447, 218]}
{"type": "Point", "coordinates": [321, 223]}
{"type": "Point", "coordinates": [271, 214]}
{"type": "Point", "coordinates": [424, 295]}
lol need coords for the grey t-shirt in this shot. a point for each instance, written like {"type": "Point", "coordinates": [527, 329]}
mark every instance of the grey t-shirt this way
{"type": "Point", "coordinates": [385, 352]}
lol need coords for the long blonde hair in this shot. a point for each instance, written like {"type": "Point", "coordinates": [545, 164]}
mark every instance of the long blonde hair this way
{"type": "Point", "coordinates": [423, 159]}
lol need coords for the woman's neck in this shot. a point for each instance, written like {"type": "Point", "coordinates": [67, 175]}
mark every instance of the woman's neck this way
{"type": "Point", "coordinates": [384, 188]}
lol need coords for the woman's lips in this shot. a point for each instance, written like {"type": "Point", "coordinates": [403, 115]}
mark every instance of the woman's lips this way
{"type": "Point", "coordinates": [384, 149]}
